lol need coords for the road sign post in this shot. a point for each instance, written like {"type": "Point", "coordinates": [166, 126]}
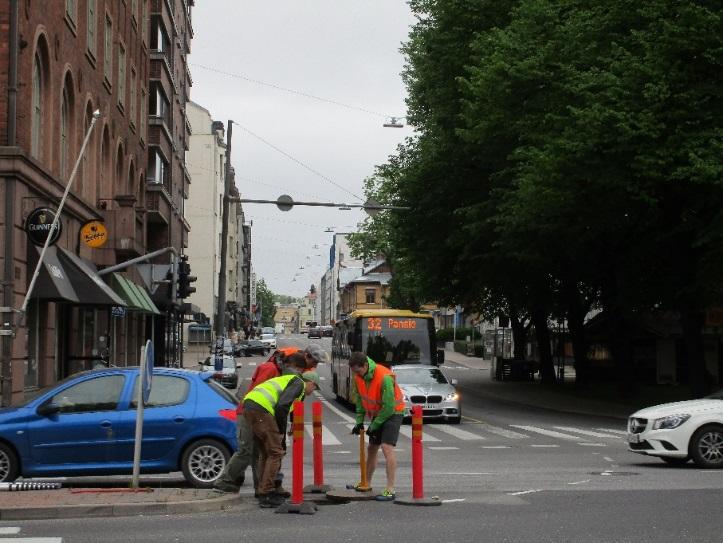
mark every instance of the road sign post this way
{"type": "Point", "coordinates": [144, 392]}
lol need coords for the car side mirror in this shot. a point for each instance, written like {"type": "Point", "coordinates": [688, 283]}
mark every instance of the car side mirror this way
{"type": "Point", "coordinates": [440, 357]}
{"type": "Point", "coordinates": [453, 382]}
{"type": "Point", "coordinates": [48, 409]}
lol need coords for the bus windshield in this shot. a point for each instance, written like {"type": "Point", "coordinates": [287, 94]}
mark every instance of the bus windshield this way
{"type": "Point", "coordinates": [396, 340]}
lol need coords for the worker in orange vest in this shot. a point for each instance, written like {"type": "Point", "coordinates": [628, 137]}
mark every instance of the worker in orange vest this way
{"type": "Point", "coordinates": [380, 399]}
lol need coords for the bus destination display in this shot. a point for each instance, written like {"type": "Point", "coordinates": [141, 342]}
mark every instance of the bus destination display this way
{"type": "Point", "coordinates": [391, 323]}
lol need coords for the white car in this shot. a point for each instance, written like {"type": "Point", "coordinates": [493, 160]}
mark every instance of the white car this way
{"type": "Point", "coordinates": [427, 386]}
{"type": "Point", "coordinates": [227, 375]}
{"type": "Point", "coordinates": [268, 337]}
{"type": "Point", "coordinates": [680, 431]}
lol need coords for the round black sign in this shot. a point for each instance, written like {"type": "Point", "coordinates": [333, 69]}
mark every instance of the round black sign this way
{"type": "Point", "coordinates": [37, 226]}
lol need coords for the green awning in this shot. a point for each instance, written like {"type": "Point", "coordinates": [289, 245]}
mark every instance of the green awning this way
{"type": "Point", "coordinates": [134, 295]}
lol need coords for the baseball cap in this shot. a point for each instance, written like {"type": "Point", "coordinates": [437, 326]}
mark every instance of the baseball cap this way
{"type": "Point", "coordinates": [312, 377]}
{"type": "Point", "coordinates": [317, 353]}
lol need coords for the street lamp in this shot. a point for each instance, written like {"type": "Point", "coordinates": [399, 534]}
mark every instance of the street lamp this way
{"type": "Point", "coordinates": [394, 122]}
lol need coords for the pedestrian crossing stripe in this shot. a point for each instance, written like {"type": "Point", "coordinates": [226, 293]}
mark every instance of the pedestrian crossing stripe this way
{"type": "Point", "coordinates": [407, 431]}
{"type": "Point", "coordinates": [548, 433]}
{"type": "Point", "coordinates": [612, 431]}
{"type": "Point", "coordinates": [327, 437]}
{"type": "Point", "coordinates": [9, 530]}
{"type": "Point", "coordinates": [585, 432]}
{"type": "Point", "coordinates": [503, 432]}
{"type": "Point", "coordinates": [458, 433]}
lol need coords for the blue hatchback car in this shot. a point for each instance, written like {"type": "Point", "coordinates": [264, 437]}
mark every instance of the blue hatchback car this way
{"type": "Point", "coordinates": [85, 425]}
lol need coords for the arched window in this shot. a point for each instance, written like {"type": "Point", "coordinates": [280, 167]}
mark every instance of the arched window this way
{"type": "Point", "coordinates": [66, 128]}
{"type": "Point", "coordinates": [119, 177]}
{"type": "Point", "coordinates": [36, 145]}
{"type": "Point", "coordinates": [103, 189]}
{"type": "Point", "coordinates": [87, 162]}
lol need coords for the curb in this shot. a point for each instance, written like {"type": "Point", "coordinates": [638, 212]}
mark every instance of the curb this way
{"type": "Point", "coordinates": [122, 509]}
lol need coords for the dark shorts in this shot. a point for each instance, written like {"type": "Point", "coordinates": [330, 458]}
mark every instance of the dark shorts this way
{"type": "Point", "coordinates": [390, 431]}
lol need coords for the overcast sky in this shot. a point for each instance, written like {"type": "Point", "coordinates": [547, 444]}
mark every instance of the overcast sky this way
{"type": "Point", "coordinates": [344, 51]}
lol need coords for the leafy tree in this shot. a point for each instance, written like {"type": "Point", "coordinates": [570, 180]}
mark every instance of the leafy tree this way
{"type": "Point", "coordinates": [265, 300]}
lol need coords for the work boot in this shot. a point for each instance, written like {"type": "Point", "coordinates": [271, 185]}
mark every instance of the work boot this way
{"type": "Point", "coordinates": [267, 501]}
{"type": "Point", "coordinates": [223, 486]}
{"type": "Point", "coordinates": [280, 490]}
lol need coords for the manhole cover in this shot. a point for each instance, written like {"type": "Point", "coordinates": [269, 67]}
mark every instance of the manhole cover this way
{"type": "Point", "coordinates": [614, 473]}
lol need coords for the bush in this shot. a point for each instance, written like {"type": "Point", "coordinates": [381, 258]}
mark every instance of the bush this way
{"type": "Point", "coordinates": [447, 334]}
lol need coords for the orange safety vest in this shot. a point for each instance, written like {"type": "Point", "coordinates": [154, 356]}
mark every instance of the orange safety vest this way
{"type": "Point", "coordinates": [372, 397]}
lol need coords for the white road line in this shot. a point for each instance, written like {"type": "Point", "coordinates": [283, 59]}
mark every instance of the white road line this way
{"type": "Point", "coordinates": [9, 530]}
{"type": "Point", "coordinates": [339, 452]}
{"type": "Point", "coordinates": [608, 459]}
{"type": "Point", "coordinates": [251, 364]}
{"type": "Point", "coordinates": [466, 473]}
{"type": "Point", "coordinates": [502, 431]}
{"type": "Point", "coordinates": [407, 431]}
{"type": "Point", "coordinates": [524, 492]}
{"type": "Point", "coordinates": [544, 432]}
{"type": "Point", "coordinates": [585, 432]}
{"type": "Point", "coordinates": [495, 447]}
{"type": "Point", "coordinates": [36, 539]}
{"type": "Point", "coordinates": [587, 444]}
{"type": "Point", "coordinates": [454, 500]}
{"type": "Point", "coordinates": [327, 437]}
{"type": "Point", "coordinates": [579, 482]}
{"type": "Point", "coordinates": [457, 432]}
{"type": "Point", "coordinates": [443, 448]}
{"type": "Point", "coordinates": [612, 431]}
{"type": "Point", "coordinates": [545, 446]}
{"type": "Point", "coordinates": [334, 408]}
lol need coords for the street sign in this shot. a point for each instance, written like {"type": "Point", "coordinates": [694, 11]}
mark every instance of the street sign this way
{"type": "Point", "coordinates": [148, 371]}
{"type": "Point", "coordinates": [285, 202]}
{"type": "Point", "coordinates": [218, 362]}
{"type": "Point", "coordinates": [118, 311]}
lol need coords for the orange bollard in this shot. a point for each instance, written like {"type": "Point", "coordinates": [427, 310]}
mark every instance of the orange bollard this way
{"type": "Point", "coordinates": [364, 483]}
{"type": "Point", "coordinates": [318, 486]}
{"type": "Point", "coordinates": [417, 465]}
{"type": "Point", "coordinates": [297, 504]}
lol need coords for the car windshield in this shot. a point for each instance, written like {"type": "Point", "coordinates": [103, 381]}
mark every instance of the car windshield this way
{"type": "Point", "coordinates": [420, 376]}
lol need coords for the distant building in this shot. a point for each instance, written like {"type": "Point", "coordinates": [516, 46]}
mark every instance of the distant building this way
{"type": "Point", "coordinates": [368, 290]}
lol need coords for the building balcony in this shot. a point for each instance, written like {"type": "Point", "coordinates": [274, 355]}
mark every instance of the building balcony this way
{"type": "Point", "coordinates": [158, 204]}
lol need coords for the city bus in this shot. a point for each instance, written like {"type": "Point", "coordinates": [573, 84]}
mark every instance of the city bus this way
{"type": "Point", "coordinates": [387, 336]}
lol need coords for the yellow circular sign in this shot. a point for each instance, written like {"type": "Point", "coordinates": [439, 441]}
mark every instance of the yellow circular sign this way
{"type": "Point", "coordinates": [94, 234]}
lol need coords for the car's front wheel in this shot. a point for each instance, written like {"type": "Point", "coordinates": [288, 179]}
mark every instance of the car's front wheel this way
{"type": "Point", "coordinates": [706, 446]}
{"type": "Point", "coordinates": [203, 461]}
{"type": "Point", "coordinates": [9, 465]}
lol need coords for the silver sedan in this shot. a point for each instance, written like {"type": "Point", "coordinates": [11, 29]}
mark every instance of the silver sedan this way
{"type": "Point", "coordinates": [427, 386]}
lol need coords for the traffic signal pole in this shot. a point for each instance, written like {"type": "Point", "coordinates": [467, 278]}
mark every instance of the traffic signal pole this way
{"type": "Point", "coordinates": [221, 308]}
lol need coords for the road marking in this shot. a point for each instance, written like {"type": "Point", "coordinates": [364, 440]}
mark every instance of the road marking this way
{"type": "Point", "coordinates": [338, 452]}
{"type": "Point", "coordinates": [495, 447]}
{"type": "Point", "coordinates": [443, 448]}
{"type": "Point", "coordinates": [585, 432]}
{"type": "Point", "coordinates": [579, 482]}
{"type": "Point", "coordinates": [612, 431]}
{"type": "Point", "coordinates": [37, 539]}
{"type": "Point", "coordinates": [545, 446]}
{"type": "Point", "coordinates": [407, 431]}
{"type": "Point", "coordinates": [9, 530]}
{"type": "Point", "coordinates": [608, 459]}
{"type": "Point", "coordinates": [465, 473]}
{"type": "Point", "coordinates": [251, 364]}
{"type": "Point", "coordinates": [501, 431]}
{"type": "Point", "coordinates": [456, 432]}
{"type": "Point", "coordinates": [334, 408]}
{"type": "Point", "coordinates": [524, 492]}
{"type": "Point", "coordinates": [327, 437]}
{"type": "Point", "coordinates": [454, 500]}
{"type": "Point", "coordinates": [586, 444]}
{"type": "Point", "coordinates": [548, 433]}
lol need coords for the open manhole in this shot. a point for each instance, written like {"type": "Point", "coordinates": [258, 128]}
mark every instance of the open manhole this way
{"type": "Point", "coordinates": [614, 473]}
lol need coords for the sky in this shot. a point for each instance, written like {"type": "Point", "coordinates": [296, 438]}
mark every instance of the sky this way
{"type": "Point", "coordinates": [308, 86]}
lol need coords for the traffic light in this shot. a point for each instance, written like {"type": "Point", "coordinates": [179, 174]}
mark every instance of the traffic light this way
{"type": "Point", "coordinates": [185, 279]}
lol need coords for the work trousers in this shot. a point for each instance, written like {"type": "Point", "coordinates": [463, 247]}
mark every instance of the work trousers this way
{"type": "Point", "coordinates": [235, 470]}
{"type": "Point", "coordinates": [267, 440]}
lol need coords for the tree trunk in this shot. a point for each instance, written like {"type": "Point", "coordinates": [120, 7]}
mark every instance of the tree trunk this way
{"type": "Point", "coordinates": [542, 335]}
{"type": "Point", "coordinates": [621, 350]}
{"type": "Point", "coordinates": [575, 322]}
{"type": "Point", "coordinates": [692, 323]}
{"type": "Point", "coordinates": [519, 337]}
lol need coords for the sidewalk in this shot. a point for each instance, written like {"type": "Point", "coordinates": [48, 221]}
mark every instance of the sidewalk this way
{"type": "Point", "coordinates": [599, 401]}
{"type": "Point", "coordinates": [113, 502]}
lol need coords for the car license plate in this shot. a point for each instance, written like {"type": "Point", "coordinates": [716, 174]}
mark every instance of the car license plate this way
{"type": "Point", "coordinates": [633, 438]}
{"type": "Point", "coordinates": [430, 406]}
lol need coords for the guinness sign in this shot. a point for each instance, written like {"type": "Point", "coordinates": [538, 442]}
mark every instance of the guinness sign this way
{"type": "Point", "coordinates": [37, 226]}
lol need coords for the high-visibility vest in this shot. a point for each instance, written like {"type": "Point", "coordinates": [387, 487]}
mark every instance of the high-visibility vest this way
{"type": "Point", "coordinates": [371, 396]}
{"type": "Point", "coordinates": [267, 393]}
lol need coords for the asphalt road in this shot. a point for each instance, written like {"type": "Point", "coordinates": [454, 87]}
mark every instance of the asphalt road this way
{"type": "Point", "coordinates": [507, 473]}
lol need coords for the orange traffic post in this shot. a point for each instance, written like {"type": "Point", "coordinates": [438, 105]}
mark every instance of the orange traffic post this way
{"type": "Point", "coordinates": [318, 487]}
{"type": "Point", "coordinates": [364, 482]}
{"type": "Point", "coordinates": [297, 504]}
{"type": "Point", "coordinates": [417, 464]}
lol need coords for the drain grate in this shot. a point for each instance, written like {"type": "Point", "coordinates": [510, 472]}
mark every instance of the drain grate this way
{"type": "Point", "coordinates": [614, 473]}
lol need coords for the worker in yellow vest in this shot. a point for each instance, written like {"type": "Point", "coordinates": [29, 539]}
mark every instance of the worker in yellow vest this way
{"type": "Point", "coordinates": [266, 409]}
{"type": "Point", "coordinates": [380, 399]}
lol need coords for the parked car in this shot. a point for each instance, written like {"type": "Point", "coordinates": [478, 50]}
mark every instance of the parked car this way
{"type": "Point", "coordinates": [85, 425]}
{"type": "Point", "coordinates": [227, 375]}
{"type": "Point", "coordinates": [428, 387]}
{"type": "Point", "coordinates": [680, 431]}
{"type": "Point", "coordinates": [268, 337]}
{"type": "Point", "coordinates": [327, 331]}
{"type": "Point", "coordinates": [254, 346]}
{"type": "Point", "coordinates": [314, 332]}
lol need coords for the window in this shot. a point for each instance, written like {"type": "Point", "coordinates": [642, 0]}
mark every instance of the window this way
{"type": "Point", "coordinates": [157, 167]}
{"type": "Point", "coordinates": [108, 50]}
{"type": "Point", "coordinates": [371, 295]}
{"type": "Point", "coordinates": [159, 37]}
{"type": "Point", "coordinates": [99, 394]}
{"type": "Point", "coordinates": [91, 26]}
{"type": "Point", "coordinates": [121, 75]}
{"type": "Point", "coordinates": [70, 9]}
{"type": "Point", "coordinates": [37, 109]}
{"type": "Point", "coordinates": [159, 106]}
{"type": "Point", "coordinates": [134, 97]}
{"type": "Point", "coordinates": [166, 390]}
{"type": "Point", "coordinates": [64, 133]}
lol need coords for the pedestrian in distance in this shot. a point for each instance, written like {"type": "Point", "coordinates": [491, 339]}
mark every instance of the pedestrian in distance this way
{"type": "Point", "coordinates": [266, 410]}
{"type": "Point", "coordinates": [380, 399]}
{"type": "Point", "coordinates": [234, 474]}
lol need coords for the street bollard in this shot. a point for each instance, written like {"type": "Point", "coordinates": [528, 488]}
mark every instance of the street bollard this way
{"type": "Point", "coordinates": [417, 464]}
{"type": "Point", "coordinates": [318, 487]}
{"type": "Point", "coordinates": [297, 504]}
{"type": "Point", "coordinates": [363, 481]}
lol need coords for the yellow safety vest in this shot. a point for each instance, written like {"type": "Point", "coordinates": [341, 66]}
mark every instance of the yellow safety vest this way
{"type": "Point", "coordinates": [267, 393]}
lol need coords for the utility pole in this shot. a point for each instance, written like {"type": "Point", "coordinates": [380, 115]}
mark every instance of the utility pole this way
{"type": "Point", "coordinates": [221, 309]}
